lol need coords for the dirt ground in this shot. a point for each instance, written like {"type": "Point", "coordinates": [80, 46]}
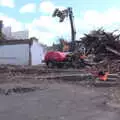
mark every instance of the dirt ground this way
{"type": "Point", "coordinates": [36, 93]}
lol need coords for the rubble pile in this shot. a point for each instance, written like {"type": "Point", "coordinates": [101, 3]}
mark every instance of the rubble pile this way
{"type": "Point", "coordinates": [104, 45]}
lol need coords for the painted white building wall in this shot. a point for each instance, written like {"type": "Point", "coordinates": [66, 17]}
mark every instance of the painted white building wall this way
{"type": "Point", "coordinates": [20, 35]}
{"type": "Point", "coordinates": [14, 54]}
{"type": "Point", "coordinates": [7, 32]}
{"type": "Point", "coordinates": [37, 52]}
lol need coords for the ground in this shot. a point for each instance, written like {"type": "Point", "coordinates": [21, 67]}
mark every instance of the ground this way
{"type": "Point", "coordinates": [58, 101]}
{"type": "Point", "coordinates": [34, 99]}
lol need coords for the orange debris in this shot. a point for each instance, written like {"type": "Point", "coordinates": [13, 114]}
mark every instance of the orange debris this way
{"type": "Point", "coordinates": [104, 77]}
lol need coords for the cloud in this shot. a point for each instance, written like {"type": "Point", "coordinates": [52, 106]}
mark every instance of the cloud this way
{"type": "Point", "coordinates": [98, 19]}
{"type": "Point", "coordinates": [44, 37]}
{"type": "Point", "coordinates": [7, 21]}
{"type": "Point", "coordinates": [50, 25]}
{"type": "Point", "coordinates": [48, 29]}
{"type": "Point", "coordinates": [28, 8]}
{"type": "Point", "coordinates": [7, 3]}
{"type": "Point", "coordinates": [48, 7]}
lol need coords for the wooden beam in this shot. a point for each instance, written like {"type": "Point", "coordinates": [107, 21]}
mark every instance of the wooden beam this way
{"type": "Point", "coordinates": [113, 50]}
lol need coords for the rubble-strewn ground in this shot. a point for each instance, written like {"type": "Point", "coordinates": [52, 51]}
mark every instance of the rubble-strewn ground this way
{"type": "Point", "coordinates": [37, 93]}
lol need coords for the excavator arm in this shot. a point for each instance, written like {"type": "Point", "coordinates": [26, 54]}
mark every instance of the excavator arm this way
{"type": "Point", "coordinates": [62, 14]}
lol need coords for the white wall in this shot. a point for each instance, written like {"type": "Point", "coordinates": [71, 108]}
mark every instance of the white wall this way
{"type": "Point", "coordinates": [7, 32]}
{"type": "Point", "coordinates": [14, 54]}
{"type": "Point", "coordinates": [37, 52]}
{"type": "Point", "coordinates": [20, 35]}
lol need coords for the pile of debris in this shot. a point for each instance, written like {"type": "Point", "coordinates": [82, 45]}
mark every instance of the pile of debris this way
{"type": "Point", "coordinates": [104, 45]}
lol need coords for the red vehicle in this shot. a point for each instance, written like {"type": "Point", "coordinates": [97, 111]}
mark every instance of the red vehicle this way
{"type": "Point", "coordinates": [55, 58]}
{"type": "Point", "coordinates": [58, 58]}
{"type": "Point", "coordinates": [61, 59]}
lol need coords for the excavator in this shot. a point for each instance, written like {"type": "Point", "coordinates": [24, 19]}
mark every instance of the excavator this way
{"type": "Point", "coordinates": [76, 52]}
{"type": "Point", "coordinates": [62, 15]}
{"type": "Point", "coordinates": [72, 53]}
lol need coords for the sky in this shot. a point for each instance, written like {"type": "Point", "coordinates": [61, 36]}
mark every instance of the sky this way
{"type": "Point", "coordinates": [36, 16]}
